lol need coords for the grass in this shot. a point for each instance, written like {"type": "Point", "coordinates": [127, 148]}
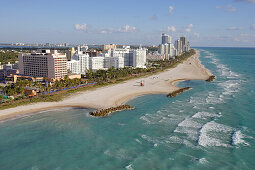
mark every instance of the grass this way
{"type": "Point", "coordinates": [55, 97]}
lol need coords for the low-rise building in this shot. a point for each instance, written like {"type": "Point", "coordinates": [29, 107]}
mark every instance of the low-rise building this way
{"type": "Point", "coordinates": [5, 73]}
{"type": "Point", "coordinates": [108, 47]}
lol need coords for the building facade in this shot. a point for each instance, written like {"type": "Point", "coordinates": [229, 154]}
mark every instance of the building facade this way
{"type": "Point", "coordinates": [139, 58]}
{"type": "Point", "coordinates": [43, 63]}
{"type": "Point", "coordinates": [96, 63]}
{"type": "Point", "coordinates": [83, 58]}
{"type": "Point", "coordinates": [116, 62]}
{"type": "Point", "coordinates": [166, 39]}
{"type": "Point", "coordinates": [74, 66]}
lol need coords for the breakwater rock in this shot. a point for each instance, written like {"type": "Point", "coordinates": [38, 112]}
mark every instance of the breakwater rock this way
{"type": "Point", "coordinates": [106, 112]}
{"type": "Point", "coordinates": [211, 78]}
{"type": "Point", "coordinates": [175, 93]}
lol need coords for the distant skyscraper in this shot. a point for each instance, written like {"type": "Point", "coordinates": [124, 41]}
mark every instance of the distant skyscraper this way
{"type": "Point", "coordinates": [178, 47]}
{"type": "Point", "coordinates": [166, 39]}
{"type": "Point", "coordinates": [166, 48]}
{"type": "Point", "coordinates": [184, 42]}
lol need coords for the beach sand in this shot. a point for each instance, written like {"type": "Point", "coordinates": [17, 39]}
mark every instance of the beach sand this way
{"type": "Point", "coordinates": [117, 94]}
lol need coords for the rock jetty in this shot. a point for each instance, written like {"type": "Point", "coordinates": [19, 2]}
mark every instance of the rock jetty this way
{"type": "Point", "coordinates": [106, 112]}
{"type": "Point", "coordinates": [211, 78]}
{"type": "Point", "coordinates": [175, 93]}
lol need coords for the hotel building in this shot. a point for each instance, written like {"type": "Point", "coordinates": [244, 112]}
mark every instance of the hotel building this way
{"type": "Point", "coordinates": [43, 63]}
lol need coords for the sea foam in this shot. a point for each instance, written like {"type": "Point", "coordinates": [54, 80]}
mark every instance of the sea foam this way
{"type": "Point", "coordinates": [212, 133]}
{"type": "Point", "coordinates": [237, 138]}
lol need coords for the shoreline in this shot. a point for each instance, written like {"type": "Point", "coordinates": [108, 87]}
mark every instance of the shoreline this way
{"type": "Point", "coordinates": [118, 94]}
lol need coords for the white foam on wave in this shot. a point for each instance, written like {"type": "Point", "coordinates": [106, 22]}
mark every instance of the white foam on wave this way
{"type": "Point", "coordinates": [203, 161]}
{"type": "Point", "coordinates": [189, 127]}
{"type": "Point", "coordinates": [237, 138]}
{"type": "Point", "coordinates": [129, 167]}
{"type": "Point", "coordinates": [165, 140]}
{"type": "Point", "coordinates": [213, 100]}
{"type": "Point", "coordinates": [205, 115]}
{"type": "Point", "coordinates": [191, 133]}
{"type": "Point", "coordinates": [211, 134]}
{"type": "Point", "coordinates": [160, 117]}
{"type": "Point", "coordinates": [188, 122]}
{"type": "Point", "coordinates": [177, 140]}
{"type": "Point", "coordinates": [230, 87]}
{"type": "Point", "coordinates": [138, 141]}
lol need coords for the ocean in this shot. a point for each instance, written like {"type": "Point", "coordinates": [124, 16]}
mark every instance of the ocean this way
{"type": "Point", "coordinates": [211, 126]}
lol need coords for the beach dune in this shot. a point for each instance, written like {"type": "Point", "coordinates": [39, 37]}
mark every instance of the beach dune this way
{"type": "Point", "coordinates": [117, 94]}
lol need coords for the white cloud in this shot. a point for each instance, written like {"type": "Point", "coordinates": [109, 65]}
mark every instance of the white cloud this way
{"type": "Point", "coordinates": [127, 28]}
{"type": "Point", "coordinates": [171, 28]}
{"type": "Point", "coordinates": [171, 8]}
{"type": "Point", "coordinates": [124, 29]}
{"type": "Point", "coordinates": [234, 28]}
{"type": "Point", "coordinates": [81, 27]}
{"type": "Point", "coordinates": [252, 27]}
{"type": "Point", "coordinates": [197, 35]}
{"type": "Point", "coordinates": [189, 27]}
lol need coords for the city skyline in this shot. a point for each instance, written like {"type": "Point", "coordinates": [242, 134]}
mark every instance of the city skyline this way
{"type": "Point", "coordinates": [205, 23]}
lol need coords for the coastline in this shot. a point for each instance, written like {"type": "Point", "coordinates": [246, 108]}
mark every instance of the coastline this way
{"type": "Point", "coordinates": [118, 94]}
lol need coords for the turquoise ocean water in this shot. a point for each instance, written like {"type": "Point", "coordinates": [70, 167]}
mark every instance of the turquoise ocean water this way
{"type": "Point", "coordinates": [211, 126]}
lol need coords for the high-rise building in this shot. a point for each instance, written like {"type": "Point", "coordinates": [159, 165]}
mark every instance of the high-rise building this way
{"type": "Point", "coordinates": [139, 58]}
{"type": "Point", "coordinates": [184, 42]}
{"type": "Point", "coordinates": [166, 48]}
{"type": "Point", "coordinates": [83, 58]}
{"type": "Point", "coordinates": [166, 39]}
{"type": "Point", "coordinates": [43, 63]}
{"type": "Point", "coordinates": [178, 47]}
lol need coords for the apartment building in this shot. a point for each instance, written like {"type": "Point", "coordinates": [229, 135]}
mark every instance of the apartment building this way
{"type": "Point", "coordinates": [116, 62]}
{"type": "Point", "coordinates": [139, 58]}
{"type": "Point", "coordinates": [96, 63]}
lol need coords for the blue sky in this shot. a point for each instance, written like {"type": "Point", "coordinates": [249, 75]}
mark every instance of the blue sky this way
{"type": "Point", "coordinates": [204, 22]}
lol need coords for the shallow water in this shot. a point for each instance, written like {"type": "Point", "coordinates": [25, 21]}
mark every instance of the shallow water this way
{"type": "Point", "coordinates": [208, 127]}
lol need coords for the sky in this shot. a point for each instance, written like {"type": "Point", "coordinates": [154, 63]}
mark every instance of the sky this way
{"type": "Point", "coordinates": [213, 23]}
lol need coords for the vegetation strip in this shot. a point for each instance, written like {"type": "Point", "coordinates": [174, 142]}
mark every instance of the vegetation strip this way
{"type": "Point", "coordinates": [106, 112]}
{"type": "Point", "coordinates": [175, 93]}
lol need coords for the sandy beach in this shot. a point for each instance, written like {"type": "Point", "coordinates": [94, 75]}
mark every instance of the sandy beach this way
{"type": "Point", "coordinates": [114, 95]}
